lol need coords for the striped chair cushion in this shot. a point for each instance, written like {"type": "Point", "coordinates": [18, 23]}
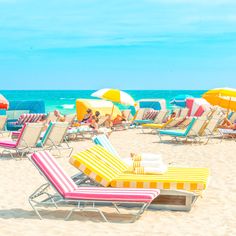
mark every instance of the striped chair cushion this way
{"type": "Point", "coordinates": [8, 144]}
{"type": "Point", "coordinates": [109, 158]}
{"type": "Point", "coordinates": [150, 115]}
{"type": "Point", "coordinates": [48, 165]}
{"type": "Point", "coordinates": [94, 167]}
{"type": "Point", "coordinates": [29, 118]}
{"type": "Point", "coordinates": [189, 179]}
{"type": "Point", "coordinates": [111, 194]}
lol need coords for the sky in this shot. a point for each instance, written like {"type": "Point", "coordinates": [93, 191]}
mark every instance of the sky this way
{"type": "Point", "coordinates": [126, 44]}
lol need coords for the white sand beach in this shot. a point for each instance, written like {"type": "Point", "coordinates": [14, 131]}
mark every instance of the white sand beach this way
{"type": "Point", "coordinates": [213, 214]}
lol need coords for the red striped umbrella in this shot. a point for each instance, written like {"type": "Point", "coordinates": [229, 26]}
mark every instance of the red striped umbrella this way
{"type": "Point", "coordinates": [4, 104]}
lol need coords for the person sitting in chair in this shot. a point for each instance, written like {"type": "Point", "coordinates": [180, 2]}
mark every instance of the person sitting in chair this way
{"type": "Point", "coordinates": [59, 116]}
{"type": "Point", "coordinates": [87, 117]}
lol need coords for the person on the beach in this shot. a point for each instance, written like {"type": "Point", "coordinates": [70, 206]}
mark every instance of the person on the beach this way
{"type": "Point", "coordinates": [59, 116]}
{"type": "Point", "coordinates": [119, 118]}
{"type": "Point", "coordinates": [87, 117]}
{"type": "Point", "coordinates": [94, 121]}
{"type": "Point", "coordinates": [227, 124]}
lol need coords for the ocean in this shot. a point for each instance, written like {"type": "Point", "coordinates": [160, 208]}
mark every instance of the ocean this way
{"type": "Point", "coordinates": [64, 100]}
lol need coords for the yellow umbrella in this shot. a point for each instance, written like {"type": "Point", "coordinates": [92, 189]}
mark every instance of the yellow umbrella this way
{"type": "Point", "coordinates": [114, 95]}
{"type": "Point", "coordinates": [223, 97]}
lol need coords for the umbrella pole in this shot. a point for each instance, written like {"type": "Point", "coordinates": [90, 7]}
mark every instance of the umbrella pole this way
{"type": "Point", "coordinates": [228, 108]}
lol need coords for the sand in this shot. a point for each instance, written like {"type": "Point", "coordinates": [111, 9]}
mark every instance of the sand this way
{"type": "Point", "coordinates": [214, 214]}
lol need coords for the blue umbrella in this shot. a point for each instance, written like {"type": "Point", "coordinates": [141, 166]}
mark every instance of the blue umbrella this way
{"type": "Point", "coordinates": [180, 100]}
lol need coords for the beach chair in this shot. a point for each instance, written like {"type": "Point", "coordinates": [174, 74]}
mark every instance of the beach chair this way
{"type": "Point", "coordinates": [3, 121]}
{"type": "Point", "coordinates": [184, 112]}
{"type": "Point", "coordinates": [86, 198]}
{"type": "Point", "coordinates": [54, 138]}
{"type": "Point", "coordinates": [191, 132]}
{"type": "Point", "coordinates": [232, 117]}
{"type": "Point", "coordinates": [230, 133]}
{"type": "Point", "coordinates": [70, 119]}
{"type": "Point", "coordinates": [179, 187]}
{"type": "Point", "coordinates": [26, 142]}
{"type": "Point", "coordinates": [210, 130]}
{"type": "Point", "coordinates": [140, 115]}
{"type": "Point", "coordinates": [23, 119]}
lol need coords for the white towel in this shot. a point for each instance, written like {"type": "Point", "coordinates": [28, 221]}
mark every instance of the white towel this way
{"type": "Point", "coordinates": [151, 163]}
{"type": "Point", "coordinates": [161, 169]}
{"type": "Point", "coordinates": [151, 157]}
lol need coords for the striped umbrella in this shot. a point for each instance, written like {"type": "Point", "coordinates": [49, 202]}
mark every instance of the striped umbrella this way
{"type": "Point", "coordinates": [180, 100]}
{"type": "Point", "coordinates": [114, 95]}
{"type": "Point", "coordinates": [4, 104]}
{"type": "Point", "coordinates": [222, 97]}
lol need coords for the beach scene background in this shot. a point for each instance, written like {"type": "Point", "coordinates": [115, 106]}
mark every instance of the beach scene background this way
{"type": "Point", "coordinates": [64, 100]}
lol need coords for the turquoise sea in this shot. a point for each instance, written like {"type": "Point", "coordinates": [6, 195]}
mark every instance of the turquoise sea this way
{"type": "Point", "coordinates": [64, 100]}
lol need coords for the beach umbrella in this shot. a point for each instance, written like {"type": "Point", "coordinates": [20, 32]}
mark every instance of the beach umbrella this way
{"type": "Point", "coordinates": [114, 95]}
{"type": "Point", "coordinates": [222, 97]}
{"type": "Point", "coordinates": [4, 104]}
{"type": "Point", "coordinates": [180, 100]}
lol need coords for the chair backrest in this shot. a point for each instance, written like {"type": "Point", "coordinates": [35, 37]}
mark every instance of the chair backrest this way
{"type": "Point", "coordinates": [174, 122]}
{"type": "Point", "coordinates": [197, 126]}
{"type": "Point", "coordinates": [103, 141]}
{"type": "Point", "coordinates": [29, 118]}
{"type": "Point", "coordinates": [112, 160]}
{"type": "Point", "coordinates": [212, 124]}
{"type": "Point", "coordinates": [29, 135]}
{"type": "Point", "coordinates": [233, 117]}
{"type": "Point", "coordinates": [177, 112]}
{"type": "Point", "coordinates": [55, 133]}
{"type": "Point", "coordinates": [50, 169]}
{"type": "Point", "coordinates": [183, 112]}
{"type": "Point", "coordinates": [160, 116]}
{"type": "Point", "coordinates": [3, 120]}
{"type": "Point", "coordinates": [206, 113]}
{"type": "Point", "coordinates": [141, 113]}
{"type": "Point", "coordinates": [94, 167]}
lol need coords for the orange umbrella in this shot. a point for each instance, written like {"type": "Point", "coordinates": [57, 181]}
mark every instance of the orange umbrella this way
{"type": "Point", "coordinates": [223, 97]}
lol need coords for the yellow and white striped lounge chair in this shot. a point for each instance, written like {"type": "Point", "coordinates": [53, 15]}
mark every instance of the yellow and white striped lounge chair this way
{"type": "Point", "coordinates": [109, 171]}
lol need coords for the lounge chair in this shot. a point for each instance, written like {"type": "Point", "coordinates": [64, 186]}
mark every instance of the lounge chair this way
{"type": "Point", "coordinates": [210, 130]}
{"type": "Point", "coordinates": [108, 170]}
{"type": "Point", "coordinates": [54, 138]}
{"type": "Point", "coordinates": [3, 121]}
{"type": "Point", "coordinates": [191, 132]}
{"type": "Point", "coordinates": [26, 142]}
{"type": "Point", "coordinates": [23, 119]}
{"type": "Point", "coordinates": [139, 117]}
{"type": "Point", "coordinates": [84, 197]}
{"type": "Point", "coordinates": [230, 133]}
{"type": "Point", "coordinates": [184, 112]}
{"type": "Point", "coordinates": [232, 117]}
{"type": "Point", "coordinates": [70, 119]}
{"type": "Point", "coordinates": [160, 117]}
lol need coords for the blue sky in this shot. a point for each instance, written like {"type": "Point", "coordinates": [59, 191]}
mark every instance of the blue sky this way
{"type": "Point", "coordinates": [127, 44]}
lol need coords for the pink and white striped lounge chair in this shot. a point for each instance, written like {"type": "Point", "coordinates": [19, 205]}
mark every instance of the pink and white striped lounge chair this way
{"type": "Point", "coordinates": [26, 141]}
{"type": "Point", "coordinates": [68, 192]}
